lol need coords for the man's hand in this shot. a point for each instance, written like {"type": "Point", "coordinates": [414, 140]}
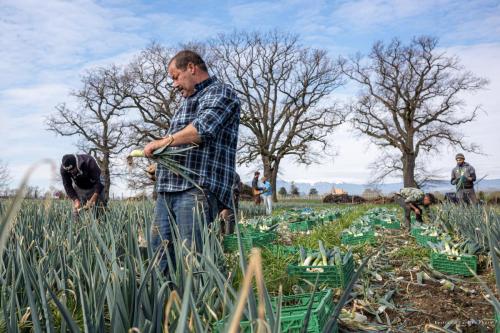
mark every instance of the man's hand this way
{"type": "Point", "coordinates": [151, 171]}
{"type": "Point", "coordinates": [91, 202]}
{"type": "Point", "coordinates": [156, 144]}
{"type": "Point", "coordinates": [76, 204]}
{"type": "Point", "coordinates": [469, 179]}
{"type": "Point", "coordinates": [151, 147]}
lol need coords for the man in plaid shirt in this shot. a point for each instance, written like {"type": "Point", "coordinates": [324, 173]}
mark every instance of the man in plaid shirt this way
{"type": "Point", "coordinates": [209, 117]}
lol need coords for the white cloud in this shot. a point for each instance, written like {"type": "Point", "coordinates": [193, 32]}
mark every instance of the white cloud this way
{"type": "Point", "coordinates": [254, 11]}
{"type": "Point", "coordinates": [473, 21]}
{"type": "Point", "coordinates": [365, 14]}
{"type": "Point", "coordinates": [174, 28]}
{"type": "Point", "coordinates": [57, 34]}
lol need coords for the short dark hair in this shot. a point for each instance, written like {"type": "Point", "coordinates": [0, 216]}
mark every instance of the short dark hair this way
{"type": "Point", "coordinates": [68, 162]}
{"type": "Point", "coordinates": [432, 198]}
{"type": "Point", "coordinates": [184, 57]}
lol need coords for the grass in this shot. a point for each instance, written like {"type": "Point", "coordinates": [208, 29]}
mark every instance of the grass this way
{"type": "Point", "coordinates": [330, 232]}
{"type": "Point", "coordinates": [413, 253]}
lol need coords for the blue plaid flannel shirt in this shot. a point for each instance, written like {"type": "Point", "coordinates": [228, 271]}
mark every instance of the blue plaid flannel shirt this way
{"type": "Point", "coordinates": [214, 110]}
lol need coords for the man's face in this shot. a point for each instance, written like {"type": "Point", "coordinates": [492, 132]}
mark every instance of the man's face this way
{"type": "Point", "coordinates": [460, 161]}
{"type": "Point", "coordinates": [427, 201]}
{"type": "Point", "coordinates": [183, 79]}
{"type": "Point", "coordinates": [73, 171]}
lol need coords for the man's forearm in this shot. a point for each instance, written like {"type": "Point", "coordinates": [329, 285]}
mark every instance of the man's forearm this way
{"type": "Point", "coordinates": [187, 135]}
{"type": "Point", "coordinates": [93, 198]}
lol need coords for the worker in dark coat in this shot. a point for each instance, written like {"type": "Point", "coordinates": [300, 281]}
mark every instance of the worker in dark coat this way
{"type": "Point", "coordinates": [81, 177]}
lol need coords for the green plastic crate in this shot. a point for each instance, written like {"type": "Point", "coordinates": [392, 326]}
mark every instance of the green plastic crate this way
{"type": "Point", "coordinates": [367, 237]}
{"type": "Point", "coordinates": [301, 225]}
{"type": "Point", "coordinates": [393, 225]}
{"type": "Point", "coordinates": [423, 240]}
{"type": "Point", "coordinates": [375, 220]}
{"type": "Point", "coordinates": [333, 276]}
{"type": "Point", "coordinates": [415, 231]}
{"type": "Point", "coordinates": [293, 311]}
{"type": "Point", "coordinates": [249, 240]}
{"type": "Point", "coordinates": [332, 217]}
{"type": "Point", "coordinates": [446, 264]}
{"type": "Point", "coordinates": [283, 250]}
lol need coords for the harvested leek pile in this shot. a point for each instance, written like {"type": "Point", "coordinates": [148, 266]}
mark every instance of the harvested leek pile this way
{"type": "Point", "coordinates": [450, 248]}
{"type": "Point", "coordinates": [261, 223]}
{"type": "Point", "coordinates": [432, 230]}
{"type": "Point", "coordinates": [380, 211]}
{"type": "Point", "coordinates": [323, 257]}
{"type": "Point", "coordinates": [358, 230]}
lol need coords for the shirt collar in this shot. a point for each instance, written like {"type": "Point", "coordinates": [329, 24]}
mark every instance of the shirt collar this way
{"type": "Point", "coordinates": [203, 84]}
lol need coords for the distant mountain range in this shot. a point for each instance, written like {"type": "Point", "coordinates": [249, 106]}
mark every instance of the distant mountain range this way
{"type": "Point", "coordinates": [326, 187]}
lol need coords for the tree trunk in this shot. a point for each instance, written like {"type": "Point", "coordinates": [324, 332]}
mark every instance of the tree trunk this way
{"type": "Point", "coordinates": [106, 175]}
{"type": "Point", "coordinates": [274, 178]}
{"type": "Point", "coordinates": [271, 173]}
{"type": "Point", "coordinates": [409, 169]}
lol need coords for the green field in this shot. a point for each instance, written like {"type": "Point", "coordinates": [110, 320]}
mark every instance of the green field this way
{"type": "Point", "coordinates": [101, 276]}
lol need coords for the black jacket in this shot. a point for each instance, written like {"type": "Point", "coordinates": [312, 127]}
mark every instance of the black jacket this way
{"type": "Point", "coordinates": [87, 177]}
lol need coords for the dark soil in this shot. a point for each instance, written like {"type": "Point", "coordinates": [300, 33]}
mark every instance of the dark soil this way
{"type": "Point", "coordinates": [429, 306]}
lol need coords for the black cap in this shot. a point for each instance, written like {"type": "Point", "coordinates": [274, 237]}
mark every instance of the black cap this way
{"type": "Point", "coordinates": [257, 173]}
{"type": "Point", "coordinates": [68, 161]}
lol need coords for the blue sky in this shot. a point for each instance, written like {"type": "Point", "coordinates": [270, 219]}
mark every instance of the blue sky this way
{"type": "Point", "coordinates": [46, 45]}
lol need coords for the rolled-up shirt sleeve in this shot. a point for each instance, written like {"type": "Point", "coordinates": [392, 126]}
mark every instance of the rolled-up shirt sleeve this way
{"type": "Point", "coordinates": [213, 112]}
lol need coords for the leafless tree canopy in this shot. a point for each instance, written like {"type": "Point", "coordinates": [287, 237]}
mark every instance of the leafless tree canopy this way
{"type": "Point", "coordinates": [283, 89]}
{"type": "Point", "coordinates": [153, 102]}
{"type": "Point", "coordinates": [97, 119]}
{"type": "Point", "coordinates": [410, 100]}
{"type": "Point", "coordinates": [151, 94]}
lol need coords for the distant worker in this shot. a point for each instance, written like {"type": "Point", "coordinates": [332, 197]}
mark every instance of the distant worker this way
{"type": "Point", "coordinates": [81, 177]}
{"type": "Point", "coordinates": [411, 198]}
{"type": "Point", "coordinates": [256, 189]}
{"type": "Point", "coordinates": [463, 177]}
{"type": "Point", "coordinates": [267, 194]}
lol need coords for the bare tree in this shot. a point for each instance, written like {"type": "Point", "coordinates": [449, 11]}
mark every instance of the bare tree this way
{"type": "Point", "coordinates": [97, 120]}
{"type": "Point", "coordinates": [390, 164]}
{"type": "Point", "coordinates": [283, 89]}
{"type": "Point", "coordinates": [153, 102]}
{"type": "Point", "coordinates": [410, 101]}
{"type": "Point", "coordinates": [4, 175]}
{"type": "Point", "coordinates": [151, 93]}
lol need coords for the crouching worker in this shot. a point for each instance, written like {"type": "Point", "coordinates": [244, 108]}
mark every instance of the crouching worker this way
{"type": "Point", "coordinates": [81, 177]}
{"type": "Point", "coordinates": [410, 199]}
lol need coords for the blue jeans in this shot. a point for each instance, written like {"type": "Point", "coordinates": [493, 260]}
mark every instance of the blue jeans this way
{"type": "Point", "coordinates": [179, 208]}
